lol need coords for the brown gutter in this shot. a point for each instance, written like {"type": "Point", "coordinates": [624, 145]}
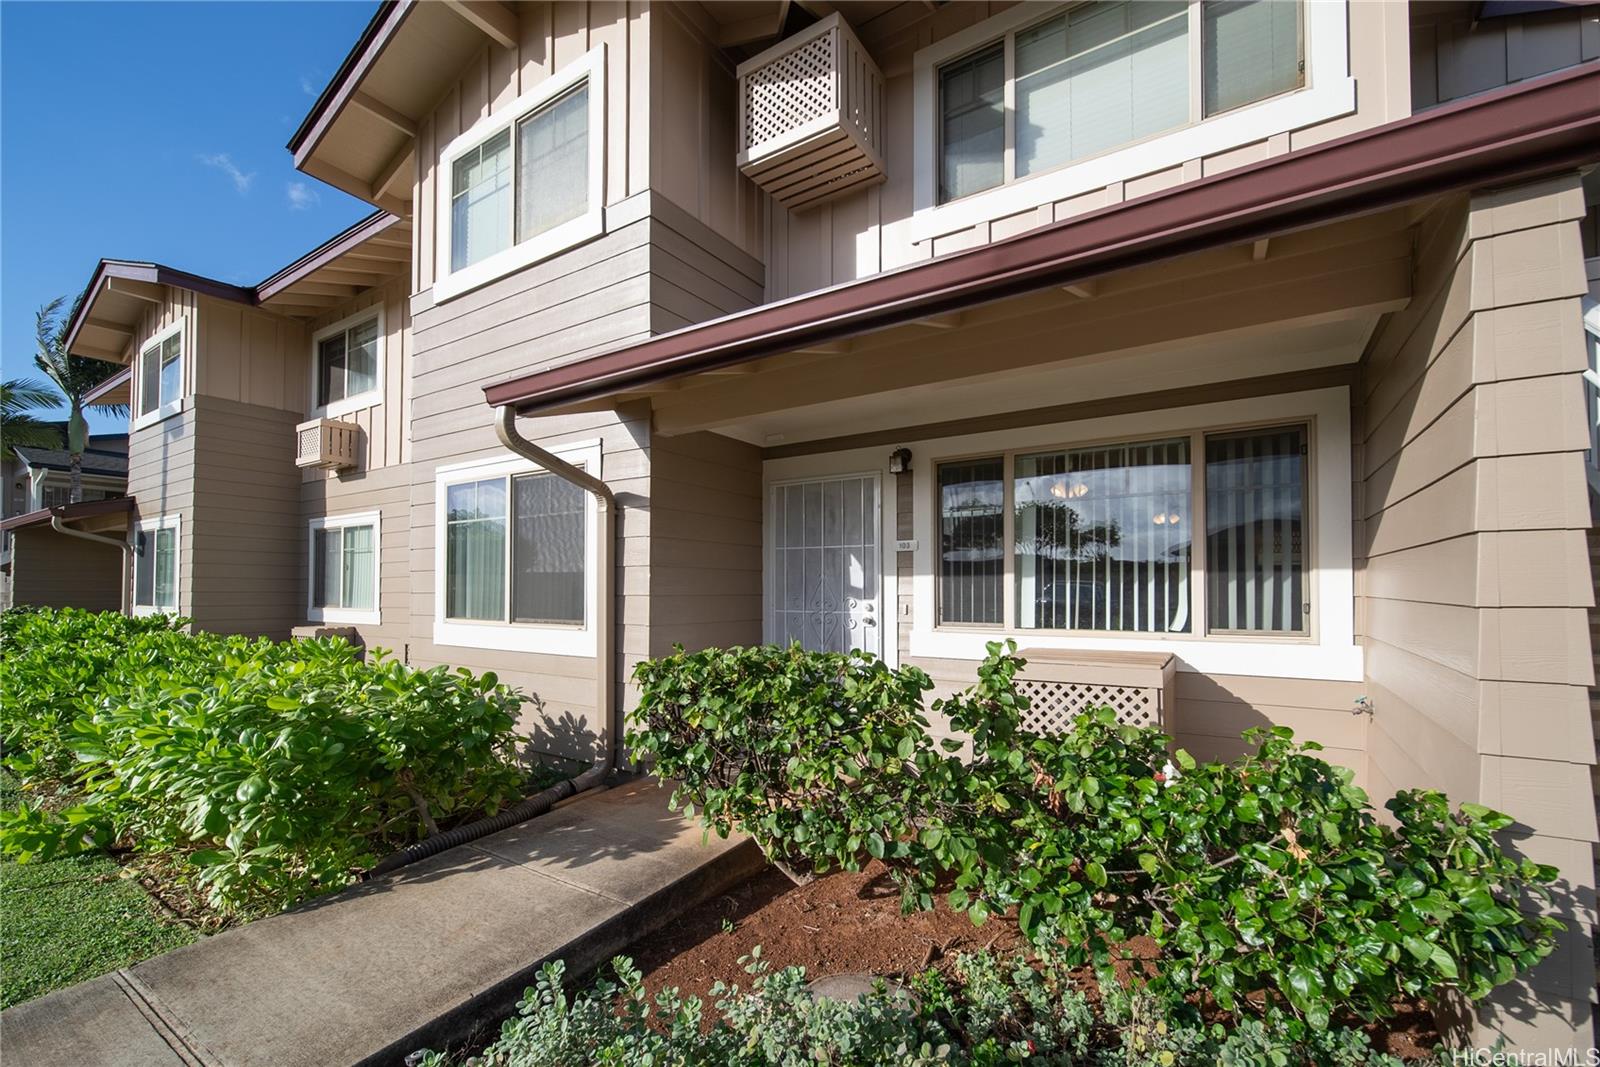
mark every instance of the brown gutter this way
{"type": "Point", "coordinates": [157, 274]}
{"type": "Point", "coordinates": [87, 509]}
{"type": "Point", "coordinates": [369, 46]}
{"type": "Point", "coordinates": [1532, 128]}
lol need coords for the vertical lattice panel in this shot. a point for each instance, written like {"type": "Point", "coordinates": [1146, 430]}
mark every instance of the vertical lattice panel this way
{"type": "Point", "coordinates": [1052, 705]}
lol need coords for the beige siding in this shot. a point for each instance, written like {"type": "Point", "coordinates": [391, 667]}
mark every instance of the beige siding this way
{"type": "Point", "coordinates": [1454, 53]}
{"type": "Point", "coordinates": [705, 543]}
{"type": "Point", "coordinates": [161, 479]}
{"type": "Point", "coordinates": [243, 530]}
{"type": "Point", "coordinates": [53, 570]}
{"type": "Point", "coordinates": [250, 356]}
{"type": "Point", "coordinates": [553, 35]}
{"type": "Point", "coordinates": [385, 439]}
{"type": "Point", "coordinates": [1471, 512]}
{"type": "Point", "coordinates": [694, 96]}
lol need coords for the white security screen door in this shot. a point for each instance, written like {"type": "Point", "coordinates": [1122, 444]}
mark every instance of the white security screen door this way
{"type": "Point", "coordinates": [825, 556]}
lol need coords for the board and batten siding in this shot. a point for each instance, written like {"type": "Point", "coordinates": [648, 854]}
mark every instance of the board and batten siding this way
{"type": "Point", "coordinates": [552, 36]}
{"type": "Point", "coordinates": [1471, 514]}
{"type": "Point", "coordinates": [695, 141]}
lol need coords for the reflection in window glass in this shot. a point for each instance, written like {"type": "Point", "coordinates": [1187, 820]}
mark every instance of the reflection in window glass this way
{"type": "Point", "coordinates": [1255, 538]}
{"type": "Point", "coordinates": [1103, 538]}
{"type": "Point", "coordinates": [1252, 51]}
{"type": "Point", "coordinates": [972, 120]}
{"type": "Point", "coordinates": [971, 541]}
{"type": "Point", "coordinates": [480, 202]}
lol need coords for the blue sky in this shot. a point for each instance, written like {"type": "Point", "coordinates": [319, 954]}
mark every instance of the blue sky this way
{"type": "Point", "coordinates": [157, 132]}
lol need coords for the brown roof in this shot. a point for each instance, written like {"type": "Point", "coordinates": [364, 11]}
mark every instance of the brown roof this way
{"type": "Point", "coordinates": [67, 512]}
{"type": "Point", "coordinates": [1535, 127]}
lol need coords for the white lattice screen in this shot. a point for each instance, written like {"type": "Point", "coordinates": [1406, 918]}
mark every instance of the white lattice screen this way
{"type": "Point", "coordinates": [811, 116]}
{"type": "Point", "coordinates": [789, 92]}
{"type": "Point", "coordinates": [1052, 705]}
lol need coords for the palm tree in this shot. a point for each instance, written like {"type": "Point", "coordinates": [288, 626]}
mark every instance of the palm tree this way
{"type": "Point", "coordinates": [19, 399]}
{"type": "Point", "coordinates": [75, 377]}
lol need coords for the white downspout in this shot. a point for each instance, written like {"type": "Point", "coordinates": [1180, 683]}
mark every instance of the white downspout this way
{"type": "Point", "coordinates": [127, 550]}
{"type": "Point", "coordinates": [610, 740]}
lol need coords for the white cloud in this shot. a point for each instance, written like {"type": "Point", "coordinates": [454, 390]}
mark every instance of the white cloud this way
{"type": "Point", "coordinates": [224, 162]}
{"type": "Point", "coordinates": [301, 196]}
{"type": "Point", "coordinates": [309, 86]}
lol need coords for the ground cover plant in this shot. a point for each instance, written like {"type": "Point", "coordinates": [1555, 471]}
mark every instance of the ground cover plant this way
{"type": "Point", "coordinates": [272, 770]}
{"type": "Point", "coordinates": [1267, 882]}
{"type": "Point", "coordinates": [991, 1009]}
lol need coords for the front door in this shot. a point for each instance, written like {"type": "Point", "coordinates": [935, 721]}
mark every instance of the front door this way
{"type": "Point", "coordinates": [824, 566]}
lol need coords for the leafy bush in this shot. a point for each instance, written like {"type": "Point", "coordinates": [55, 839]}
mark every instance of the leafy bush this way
{"type": "Point", "coordinates": [1268, 874]}
{"type": "Point", "coordinates": [994, 1011]}
{"type": "Point", "coordinates": [280, 769]}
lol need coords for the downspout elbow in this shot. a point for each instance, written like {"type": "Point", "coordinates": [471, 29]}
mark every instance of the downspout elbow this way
{"type": "Point", "coordinates": [120, 543]}
{"type": "Point", "coordinates": [606, 710]}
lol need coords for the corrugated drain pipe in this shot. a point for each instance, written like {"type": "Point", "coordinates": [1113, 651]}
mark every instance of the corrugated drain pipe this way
{"type": "Point", "coordinates": [604, 687]}
{"type": "Point", "coordinates": [127, 550]}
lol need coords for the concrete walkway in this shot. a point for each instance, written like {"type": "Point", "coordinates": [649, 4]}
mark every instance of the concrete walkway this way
{"type": "Point", "coordinates": [415, 958]}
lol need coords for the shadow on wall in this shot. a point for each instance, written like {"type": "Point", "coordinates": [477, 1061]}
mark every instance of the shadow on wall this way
{"type": "Point", "coordinates": [566, 736]}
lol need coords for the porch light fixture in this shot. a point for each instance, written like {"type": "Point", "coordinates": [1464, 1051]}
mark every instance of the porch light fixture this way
{"type": "Point", "coordinates": [1080, 490]}
{"type": "Point", "coordinates": [1059, 490]}
{"type": "Point", "coordinates": [900, 461]}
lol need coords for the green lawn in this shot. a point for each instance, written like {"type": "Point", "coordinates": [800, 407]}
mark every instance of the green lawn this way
{"type": "Point", "coordinates": [73, 919]}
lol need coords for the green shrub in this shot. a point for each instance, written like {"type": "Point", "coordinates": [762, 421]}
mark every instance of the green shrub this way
{"type": "Point", "coordinates": [993, 1011]}
{"type": "Point", "coordinates": [1268, 874]}
{"type": "Point", "coordinates": [279, 769]}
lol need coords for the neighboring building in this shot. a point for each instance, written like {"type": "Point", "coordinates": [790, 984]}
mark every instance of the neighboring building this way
{"type": "Point", "coordinates": [1251, 335]}
{"type": "Point", "coordinates": [39, 565]}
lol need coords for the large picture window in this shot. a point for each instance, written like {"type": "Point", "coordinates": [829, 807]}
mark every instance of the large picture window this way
{"type": "Point", "coordinates": [1097, 76]}
{"type": "Point", "coordinates": [344, 568]}
{"type": "Point", "coordinates": [524, 182]}
{"type": "Point", "coordinates": [155, 565]}
{"type": "Point", "coordinates": [160, 390]}
{"type": "Point", "coordinates": [515, 550]}
{"type": "Point", "coordinates": [1104, 539]}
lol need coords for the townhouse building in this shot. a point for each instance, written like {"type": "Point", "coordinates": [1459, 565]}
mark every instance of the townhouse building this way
{"type": "Point", "coordinates": [1236, 359]}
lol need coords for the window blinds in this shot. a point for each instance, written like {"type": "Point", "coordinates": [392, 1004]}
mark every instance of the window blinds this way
{"type": "Point", "coordinates": [1099, 76]}
{"type": "Point", "coordinates": [1252, 51]}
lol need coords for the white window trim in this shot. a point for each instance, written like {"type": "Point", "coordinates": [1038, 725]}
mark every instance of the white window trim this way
{"type": "Point", "coordinates": [314, 613]}
{"type": "Point", "coordinates": [544, 638]}
{"type": "Point", "coordinates": [1329, 92]}
{"type": "Point", "coordinates": [160, 522]}
{"type": "Point", "coordinates": [447, 283]}
{"type": "Point", "coordinates": [174, 406]}
{"type": "Point", "coordinates": [1331, 652]}
{"type": "Point", "coordinates": [368, 399]}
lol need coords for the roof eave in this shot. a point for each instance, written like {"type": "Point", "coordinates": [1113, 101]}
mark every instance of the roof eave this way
{"type": "Point", "coordinates": [1531, 128]}
{"type": "Point", "coordinates": [87, 509]}
{"type": "Point", "coordinates": [386, 21]}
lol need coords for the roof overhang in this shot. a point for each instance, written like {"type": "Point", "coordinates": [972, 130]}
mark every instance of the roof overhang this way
{"type": "Point", "coordinates": [104, 323]}
{"type": "Point", "coordinates": [360, 135]}
{"type": "Point", "coordinates": [1533, 128]}
{"type": "Point", "coordinates": [117, 297]}
{"type": "Point", "coordinates": [114, 391]}
{"type": "Point", "coordinates": [89, 509]}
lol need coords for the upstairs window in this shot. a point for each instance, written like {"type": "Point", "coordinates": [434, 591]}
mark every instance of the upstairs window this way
{"type": "Point", "coordinates": [1105, 74]}
{"type": "Point", "coordinates": [524, 182]}
{"type": "Point", "coordinates": [347, 357]}
{"type": "Point", "coordinates": [161, 374]}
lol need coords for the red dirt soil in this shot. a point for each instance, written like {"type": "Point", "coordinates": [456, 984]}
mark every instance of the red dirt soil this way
{"type": "Point", "coordinates": [851, 924]}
